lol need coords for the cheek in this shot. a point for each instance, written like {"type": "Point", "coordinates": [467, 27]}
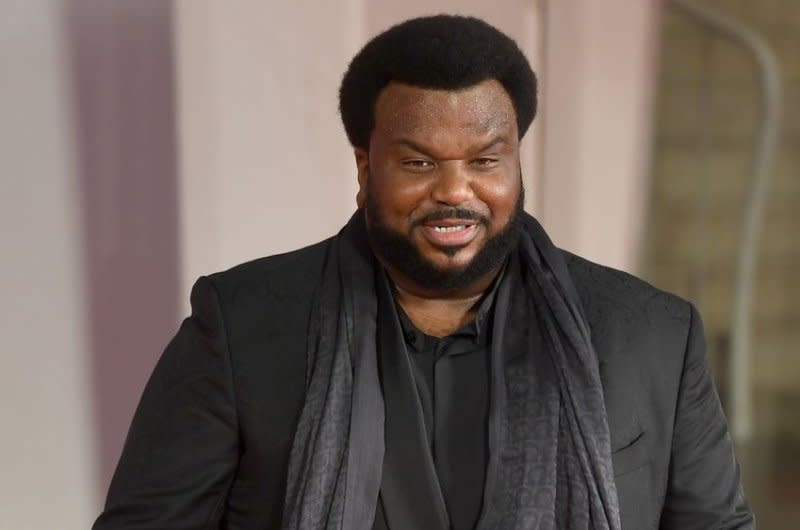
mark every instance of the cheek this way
{"type": "Point", "coordinates": [398, 196]}
{"type": "Point", "coordinates": [501, 197]}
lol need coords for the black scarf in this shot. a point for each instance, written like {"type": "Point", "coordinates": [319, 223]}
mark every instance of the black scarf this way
{"type": "Point", "coordinates": [550, 458]}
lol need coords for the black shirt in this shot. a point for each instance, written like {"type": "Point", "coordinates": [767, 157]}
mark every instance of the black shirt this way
{"type": "Point", "coordinates": [452, 379]}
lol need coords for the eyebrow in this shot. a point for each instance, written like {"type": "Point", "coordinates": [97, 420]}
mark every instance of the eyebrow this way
{"type": "Point", "coordinates": [496, 140]}
{"type": "Point", "coordinates": [416, 147]}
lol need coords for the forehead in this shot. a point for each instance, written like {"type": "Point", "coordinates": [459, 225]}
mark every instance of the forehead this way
{"type": "Point", "coordinates": [482, 108]}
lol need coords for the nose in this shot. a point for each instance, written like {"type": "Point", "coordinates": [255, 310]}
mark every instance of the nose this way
{"type": "Point", "coordinates": [453, 184]}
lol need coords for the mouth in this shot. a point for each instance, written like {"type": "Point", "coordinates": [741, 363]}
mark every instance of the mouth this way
{"type": "Point", "coordinates": [450, 232]}
{"type": "Point", "coordinates": [449, 229]}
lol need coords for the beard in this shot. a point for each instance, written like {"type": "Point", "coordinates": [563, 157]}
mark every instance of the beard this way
{"type": "Point", "coordinates": [399, 251]}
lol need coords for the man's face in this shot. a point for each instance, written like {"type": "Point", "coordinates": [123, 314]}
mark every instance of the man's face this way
{"type": "Point", "coordinates": [440, 183]}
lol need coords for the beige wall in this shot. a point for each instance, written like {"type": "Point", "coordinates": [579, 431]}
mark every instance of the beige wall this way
{"type": "Point", "coordinates": [265, 164]}
{"type": "Point", "coordinates": [47, 475]}
{"type": "Point", "coordinates": [600, 63]}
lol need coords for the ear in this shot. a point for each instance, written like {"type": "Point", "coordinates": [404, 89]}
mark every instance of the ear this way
{"type": "Point", "coordinates": [362, 165]}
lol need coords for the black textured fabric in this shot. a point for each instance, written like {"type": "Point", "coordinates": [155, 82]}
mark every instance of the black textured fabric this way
{"type": "Point", "coordinates": [550, 459]}
{"type": "Point", "coordinates": [334, 470]}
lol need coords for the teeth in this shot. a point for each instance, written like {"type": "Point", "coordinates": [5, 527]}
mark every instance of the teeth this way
{"type": "Point", "coordinates": [449, 228]}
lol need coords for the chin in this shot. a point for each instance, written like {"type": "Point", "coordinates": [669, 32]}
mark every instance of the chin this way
{"type": "Point", "coordinates": [452, 259]}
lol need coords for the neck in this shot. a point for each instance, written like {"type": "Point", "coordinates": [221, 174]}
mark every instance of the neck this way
{"type": "Point", "coordinates": [439, 314]}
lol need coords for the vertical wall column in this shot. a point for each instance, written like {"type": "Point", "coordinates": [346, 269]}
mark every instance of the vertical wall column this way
{"type": "Point", "coordinates": [47, 438]}
{"type": "Point", "coordinates": [265, 163]}
{"type": "Point", "coordinates": [121, 85]}
{"type": "Point", "coordinates": [600, 61]}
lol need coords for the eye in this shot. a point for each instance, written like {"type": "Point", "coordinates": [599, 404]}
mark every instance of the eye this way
{"type": "Point", "coordinates": [417, 164]}
{"type": "Point", "coordinates": [485, 162]}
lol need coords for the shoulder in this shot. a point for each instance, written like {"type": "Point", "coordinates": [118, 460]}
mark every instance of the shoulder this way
{"type": "Point", "coordinates": [265, 295]}
{"type": "Point", "coordinates": [634, 324]}
{"type": "Point", "coordinates": [264, 306]}
{"type": "Point", "coordinates": [288, 275]}
{"type": "Point", "coordinates": [603, 289]}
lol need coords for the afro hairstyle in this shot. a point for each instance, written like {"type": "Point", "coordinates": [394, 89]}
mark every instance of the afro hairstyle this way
{"type": "Point", "coordinates": [446, 52]}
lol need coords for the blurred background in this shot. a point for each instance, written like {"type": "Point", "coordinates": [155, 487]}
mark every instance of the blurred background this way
{"type": "Point", "coordinates": [146, 142]}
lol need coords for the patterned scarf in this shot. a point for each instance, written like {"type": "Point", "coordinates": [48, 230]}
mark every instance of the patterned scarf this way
{"type": "Point", "coordinates": [550, 458]}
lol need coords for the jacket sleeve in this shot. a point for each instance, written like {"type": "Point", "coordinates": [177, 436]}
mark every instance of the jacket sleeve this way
{"type": "Point", "coordinates": [704, 488]}
{"type": "Point", "coordinates": [181, 452]}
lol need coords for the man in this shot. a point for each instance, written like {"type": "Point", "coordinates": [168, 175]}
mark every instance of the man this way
{"type": "Point", "coordinates": [439, 363]}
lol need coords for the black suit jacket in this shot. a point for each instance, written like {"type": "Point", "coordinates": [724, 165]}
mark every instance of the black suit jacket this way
{"type": "Point", "coordinates": [210, 440]}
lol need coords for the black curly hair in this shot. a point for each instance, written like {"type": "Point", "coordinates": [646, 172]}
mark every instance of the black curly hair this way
{"type": "Point", "coordinates": [439, 52]}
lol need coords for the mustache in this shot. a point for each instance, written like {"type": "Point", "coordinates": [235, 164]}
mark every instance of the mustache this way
{"type": "Point", "coordinates": [453, 212]}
